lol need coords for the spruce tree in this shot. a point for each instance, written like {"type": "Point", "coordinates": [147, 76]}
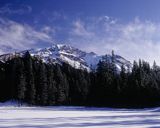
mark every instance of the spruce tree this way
{"type": "Point", "coordinates": [30, 83]}
{"type": "Point", "coordinates": [21, 82]}
{"type": "Point", "coordinates": [43, 84]}
{"type": "Point", "coordinates": [62, 86]}
{"type": "Point", "coordinates": [52, 90]}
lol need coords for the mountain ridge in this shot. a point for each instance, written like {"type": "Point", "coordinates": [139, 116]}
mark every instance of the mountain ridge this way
{"type": "Point", "coordinates": [78, 59]}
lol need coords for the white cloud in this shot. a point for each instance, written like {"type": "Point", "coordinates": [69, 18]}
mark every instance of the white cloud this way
{"type": "Point", "coordinates": [52, 16]}
{"type": "Point", "coordinates": [139, 40]}
{"type": "Point", "coordinates": [133, 40]}
{"type": "Point", "coordinates": [15, 9]}
{"type": "Point", "coordinates": [79, 29]}
{"type": "Point", "coordinates": [48, 30]}
{"type": "Point", "coordinates": [55, 15]}
{"type": "Point", "coordinates": [15, 36]}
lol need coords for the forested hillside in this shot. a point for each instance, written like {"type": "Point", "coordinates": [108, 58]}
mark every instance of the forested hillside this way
{"type": "Point", "coordinates": [28, 79]}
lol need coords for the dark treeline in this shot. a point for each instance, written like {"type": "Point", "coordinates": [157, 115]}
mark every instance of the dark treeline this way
{"type": "Point", "coordinates": [27, 79]}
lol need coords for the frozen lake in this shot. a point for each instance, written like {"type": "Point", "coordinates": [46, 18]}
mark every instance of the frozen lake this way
{"type": "Point", "coordinates": [77, 117]}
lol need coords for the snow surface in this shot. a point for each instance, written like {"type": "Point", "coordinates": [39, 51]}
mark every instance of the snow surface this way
{"type": "Point", "coordinates": [76, 117]}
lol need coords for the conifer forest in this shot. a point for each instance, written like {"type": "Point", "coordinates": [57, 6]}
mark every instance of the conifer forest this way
{"type": "Point", "coordinates": [28, 79]}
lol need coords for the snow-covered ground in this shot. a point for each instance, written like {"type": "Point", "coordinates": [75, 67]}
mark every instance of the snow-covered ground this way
{"type": "Point", "coordinates": [77, 117]}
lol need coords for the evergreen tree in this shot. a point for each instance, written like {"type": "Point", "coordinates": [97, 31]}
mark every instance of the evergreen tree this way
{"type": "Point", "coordinates": [30, 83]}
{"type": "Point", "coordinates": [43, 84]}
{"type": "Point", "coordinates": [3, 84]}
{"type": "Point", "coordinates": [62, 86]}
{"type": "Point", "coordinates": [123, 78]}
{"type": "Point", "coordinates": [28, 79]}
{"type": "Point", "coordinates": [21, 82]}
{"type": "Point", "coordinates": [52, 90]}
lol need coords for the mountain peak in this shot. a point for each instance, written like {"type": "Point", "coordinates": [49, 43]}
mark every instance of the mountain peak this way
{"type": "Point", "coordinates": [79, 59]}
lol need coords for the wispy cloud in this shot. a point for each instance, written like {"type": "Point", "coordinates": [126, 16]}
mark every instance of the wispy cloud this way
{"type": "Point", "coordinates": [48, 30]}
{"type": "Point", "coordinates": [81, 29]}
{"type": "Point", "coordinates": [51, 16]}
{"type": "Point", "coordinates": [133, 40]}
{"type": "Point", "coordinates": [15, 36]}
{"type": "Point", "coordinates": [15, 9]}
{"type": "Point", "coordinates": [55, 15]}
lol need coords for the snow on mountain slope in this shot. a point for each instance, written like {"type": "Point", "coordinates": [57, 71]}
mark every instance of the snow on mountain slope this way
{"type": "Point", "coordinates": [59, 53]}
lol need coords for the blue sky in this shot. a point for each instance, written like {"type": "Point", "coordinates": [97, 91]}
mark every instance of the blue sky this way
{"type": "Point", "coordinates": [130, 27]}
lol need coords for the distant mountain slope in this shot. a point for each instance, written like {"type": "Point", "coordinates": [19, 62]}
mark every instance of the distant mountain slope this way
{"type": "Point", "coordinates": [79, 59]}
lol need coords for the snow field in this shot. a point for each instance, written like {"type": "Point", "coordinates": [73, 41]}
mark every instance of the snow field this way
{"type": "Point", "coordinates": [77, 117]}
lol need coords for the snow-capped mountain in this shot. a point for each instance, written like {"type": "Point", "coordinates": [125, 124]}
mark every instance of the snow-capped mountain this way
{"type": "Point", "coordinates": [79, 59]}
